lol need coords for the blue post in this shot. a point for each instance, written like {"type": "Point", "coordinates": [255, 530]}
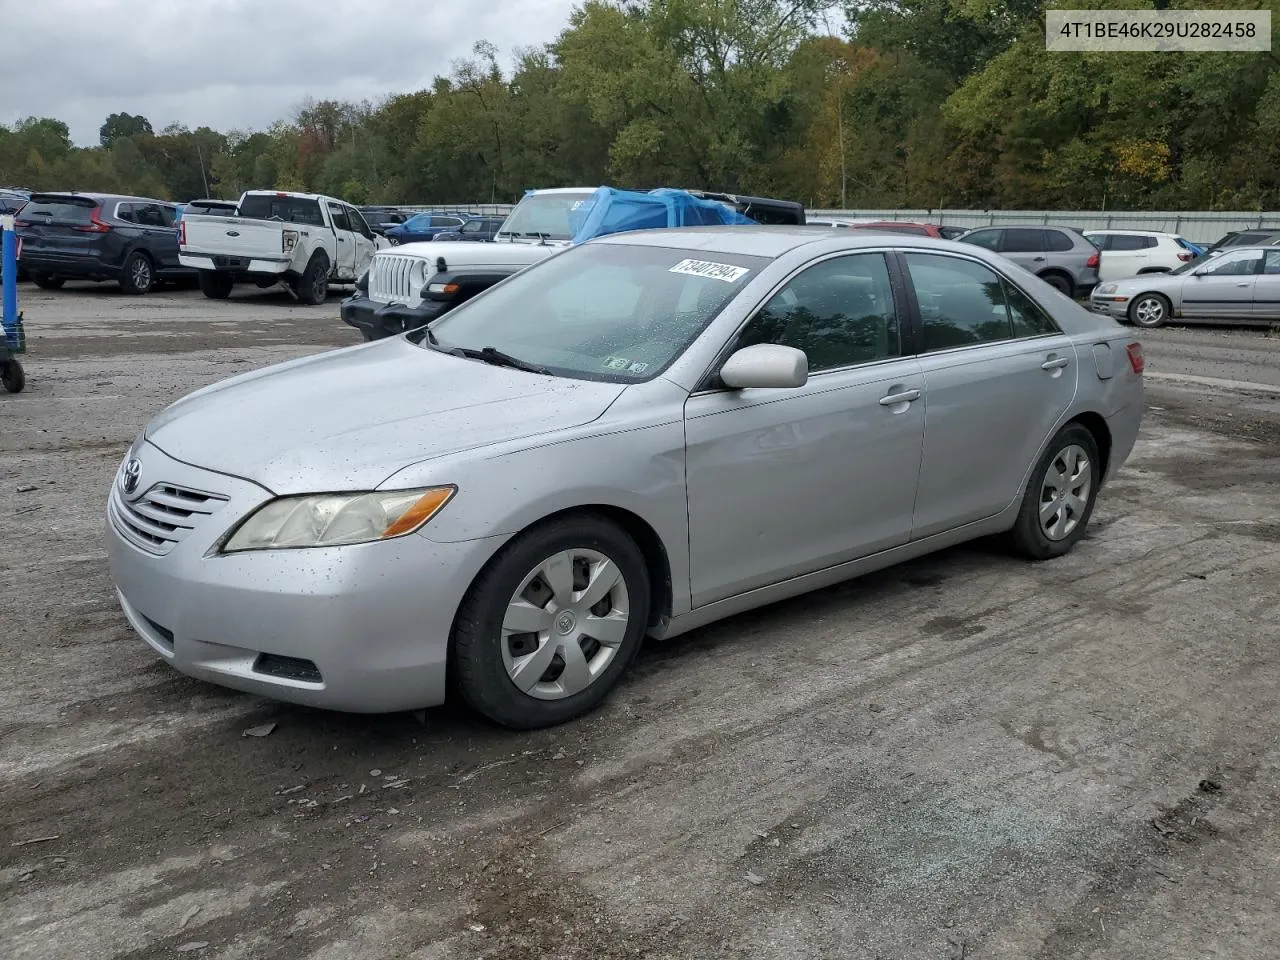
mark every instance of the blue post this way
{"type": "Point", "coordinates": [9, 266]}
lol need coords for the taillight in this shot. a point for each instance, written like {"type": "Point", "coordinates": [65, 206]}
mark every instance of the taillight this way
{"type": "Point", "coordinates": [1136, 359]}
{"type": "Point", "coordinates": [1092, 262]}
{"type": "Point", "coordinates": [1186, 257]}
{"type": "Point", "coordinates": [22, 223]}
{"type": "Point", "coordinates": [95, 225]}
{"type": "Point", "coordinates": [182, 233]}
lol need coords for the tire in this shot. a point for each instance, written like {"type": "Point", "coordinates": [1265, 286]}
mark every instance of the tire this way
{"type": "Point", "coordinates": [1049, 525]}
{"type": "Point", "coordinates": [47, 281]}
{"type": "Point", "coordinates": [138, 277]}
{"type": "Point", "coordinates": [215, 285]}
{"type": "Point", "coordinates": [1058, 282]}
{"type": "Point", "coordinates": [486, 664]}
{"type": "Point", "coordinates": [12, 377]}
{"type": "Point", "coordinates": [1149, 310]}
{"type": "Point", "coordinates": [313, 286]}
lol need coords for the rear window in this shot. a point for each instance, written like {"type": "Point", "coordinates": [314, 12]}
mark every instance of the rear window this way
{"type": "Point", "coordinates": [59, 209]}
{"type": "Point", "coordinates": [265, 206]}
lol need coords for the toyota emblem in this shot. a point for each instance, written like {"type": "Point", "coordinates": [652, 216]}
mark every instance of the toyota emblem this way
{"type": "Point", "coordinates": [131, 475]}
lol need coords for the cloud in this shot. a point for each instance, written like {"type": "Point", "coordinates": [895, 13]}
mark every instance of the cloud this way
{"type": "Point", "coordinates": [241, 63]}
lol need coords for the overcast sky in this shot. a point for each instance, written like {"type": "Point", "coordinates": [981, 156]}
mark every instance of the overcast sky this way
{"type": "Point", "coordinates": [240, 63]}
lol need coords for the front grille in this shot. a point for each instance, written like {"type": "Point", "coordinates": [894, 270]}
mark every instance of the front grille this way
{"type": "Point", "coordinates": [230, 263]}
{"type": "Point", "coordinates": [396, 279]}
{"type": "Point", "coordinates": [163, 516]}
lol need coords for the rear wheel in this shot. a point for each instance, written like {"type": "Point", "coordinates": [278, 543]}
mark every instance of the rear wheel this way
{"type": "Point", "coordinates": [313, 285]}
{"type": "Point", "coordinates": [1058, 282]}
{"type": "Point", "coordinates": [1059, 499]}
{"type": "Point", "coordinates": [215, 285]}
{"type": "Point", "coordinates": [12, 376]}
{"type": "Point", "coordinates": [139, 275]}
{"type": "Point", "coordinates": [1149, 310]}
{"type": "Point", "coordinates": [47, 281]}
{"type": "Point", "coordinates": [551, 623]}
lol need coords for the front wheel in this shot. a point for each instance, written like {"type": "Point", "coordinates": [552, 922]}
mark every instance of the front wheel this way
{"type": "Point", "coordinates": [551, 623]}
{"type": "Point", "coordinates": [1059, 499]}
{"type": "Point", "coordinates": [138, 276]}
{"type": "Point", "coordinates": [1149, 310]}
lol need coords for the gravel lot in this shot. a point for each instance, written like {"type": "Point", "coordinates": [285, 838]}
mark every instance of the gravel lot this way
{"type": "Point", "coordinates": [964, 757]}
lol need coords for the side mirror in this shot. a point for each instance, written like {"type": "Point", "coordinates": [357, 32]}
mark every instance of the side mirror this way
{"type": "Point", "coordinates": [765, 365]}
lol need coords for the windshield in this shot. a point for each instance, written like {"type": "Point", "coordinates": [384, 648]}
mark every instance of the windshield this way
{"type": "Point", "coordinates": [546, 214]}
{"type": "Point", "coordinates": [267, 206]}
{"type": "Point", "coordinates": [603, 311]}
{"type": "Point", "coordinates": [1197, 262]}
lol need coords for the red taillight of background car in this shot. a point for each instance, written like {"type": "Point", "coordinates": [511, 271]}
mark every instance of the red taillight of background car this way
{"type": "Point", "coordinates": [95, 225]}
{"type": "Point", "coordinates": [1092, 262]}
{"type": "Point", "coordinates": [1186, 257]}
{"type": "Point", "coordinates": [182, 233]}
{"type": "Point", "coordinates": [1136, 360]}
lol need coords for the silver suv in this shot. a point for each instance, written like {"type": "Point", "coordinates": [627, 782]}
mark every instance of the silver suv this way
{"type": "Point", "coordinates": [1061, 256]}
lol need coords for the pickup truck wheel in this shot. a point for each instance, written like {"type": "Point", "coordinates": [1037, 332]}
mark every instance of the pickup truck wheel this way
{"type": "Point", "coordinates": [47, 281]}
{"type": "Point", "coordinates": [215, 285]}
{"type": "Point", "coordinates": [313, 287]}
{"type": "Point", "coordinates": [138, 276]}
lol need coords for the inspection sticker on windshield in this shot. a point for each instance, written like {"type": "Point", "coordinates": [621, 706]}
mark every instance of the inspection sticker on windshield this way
{"type": "Point", "coordinates": [714, 271]}
{"type": "Point", "coordinates": [616, 363]}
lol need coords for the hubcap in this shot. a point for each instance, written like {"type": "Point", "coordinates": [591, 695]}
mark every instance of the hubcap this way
{"type": "Point", "coordinates": [141, 274]}
{"type": "Point", "coordinates": [1065, 493]}
{"type": "Point", "coordinates": [564, 624]}
{"type": "Point", "coordinates": [1149, 310]}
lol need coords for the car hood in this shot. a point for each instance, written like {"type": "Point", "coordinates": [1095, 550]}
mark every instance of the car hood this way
{"type": "Point", "coordinates": [461, 253]}
{"type": "Point", "coordinates": [1159, 282]}
{"type": "Point", "coordinates": [348, 419]}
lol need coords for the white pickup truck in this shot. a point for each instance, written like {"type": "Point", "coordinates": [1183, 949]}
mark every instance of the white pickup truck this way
{"type": "Point", "coordinates": [303, 241]}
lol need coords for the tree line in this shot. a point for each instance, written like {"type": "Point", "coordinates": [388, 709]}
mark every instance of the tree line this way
{"type": "Point", "coordinates": [914, 103]}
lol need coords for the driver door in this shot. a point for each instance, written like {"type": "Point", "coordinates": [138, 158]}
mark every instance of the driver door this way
{"type": "Point", "coordinates": [784, 482]}
{"type": "Point", "coordinates": [1223, 287]}
{"type": "Point", "coordinates": [345, 247]}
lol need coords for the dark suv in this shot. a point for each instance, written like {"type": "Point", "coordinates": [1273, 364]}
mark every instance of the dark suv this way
{"type": "Point", "coordinates": [1061, 256]}
{"type": "Point", "coordinates": [94, 236]}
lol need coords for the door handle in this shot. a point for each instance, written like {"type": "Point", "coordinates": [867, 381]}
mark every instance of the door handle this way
{"type": "Point", "coordinates": [893, 399]}
{"type": "Point", "coordinates": [342, 239]}
{"type": "Point", "coordinates": [1055, 363]}
{"type": "Point", "coordinates": [1243, 283]}
{"type": "Point", "coordinates": [1038, 259]}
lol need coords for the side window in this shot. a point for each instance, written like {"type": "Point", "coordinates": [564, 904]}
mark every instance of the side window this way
{"type": "Point", "coordinates": [474, 226]}
{"type": "Point", "coordinates": [150, 215]}
{"type": "Point", "coordinates": [125, 212]}
{"type": "Point", "coordinates": [1128, 241]}
{"type": "Point", "coordinates": [961, 302]}
{"type": "Point", "coordinates": [1028, 319]}
{"type": "Point", "coordinates": [358, 224]}
{"type": "Point", "coordinates": [1023, 240]}
{"type": "Point", "coordinates": [1240, 264]}
{"type": "Point", "coordinates": [448, 223]}
{"type": "Point", "coordinates": [839, 312]}
{"type": "Point", "coordinates": [1057, 241]}
{"type": "Point", "coordinates": [1271, 261]}
{"type": "Point", "coordinates": [169, 215]}
{"type": "Point", "coordinates": [987, 239]}
{"type": "Point", "coordinates": [338, 215]}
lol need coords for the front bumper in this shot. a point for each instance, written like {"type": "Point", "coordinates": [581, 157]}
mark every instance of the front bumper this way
{"type": "Point", "coordinates": [363, 628]}
{"type": "Point", "coordinates": [1109, 306]}
{"type": "Point", "coordinates": [380, 320]}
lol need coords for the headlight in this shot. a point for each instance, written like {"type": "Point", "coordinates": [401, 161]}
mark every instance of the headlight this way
{"type": "Point", "coordinates": [337, 519]}
{"type": "Point", "coordinates": [1105, 288]}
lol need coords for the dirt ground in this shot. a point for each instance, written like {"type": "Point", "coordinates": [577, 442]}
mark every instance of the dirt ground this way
{"type": "Point", "coordinates": [964, 757]}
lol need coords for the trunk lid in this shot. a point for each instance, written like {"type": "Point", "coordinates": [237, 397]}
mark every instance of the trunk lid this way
{"type": "Point", "coordinates": [236, 237]}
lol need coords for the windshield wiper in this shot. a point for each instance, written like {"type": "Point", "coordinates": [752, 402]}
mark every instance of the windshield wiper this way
{"type": "Point", "coordinates": [499, 359]}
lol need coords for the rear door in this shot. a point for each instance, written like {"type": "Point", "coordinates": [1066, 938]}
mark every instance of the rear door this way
{"type": "Point", "coordinates": [998, 375]}
{"type": "Point", "coordinates": [158, 234]}
{"type": "Point", "coordinates": [344, 246]}
{"type": "Point", "coordinates": [1026, 246]}
{"type": "Point", "coordinates": [1266, 287]}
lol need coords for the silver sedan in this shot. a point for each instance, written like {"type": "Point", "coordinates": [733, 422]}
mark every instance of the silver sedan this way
{"type": "Point", "coordinates": [636, 437]}
{"type": "Point", "coordinates": [1233, 284]}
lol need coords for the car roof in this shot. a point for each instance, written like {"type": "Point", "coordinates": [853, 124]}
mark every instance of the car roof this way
{"type": "Point", "coordinates": [1135, 233]}
{"type": "Point", "coordinates": [98, 197]}
{"type": "Point", "coordinates": [770, 241]}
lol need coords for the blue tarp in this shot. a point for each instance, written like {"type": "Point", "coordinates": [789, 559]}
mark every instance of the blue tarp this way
{"type": "Point", "coordinates": [613, 211]}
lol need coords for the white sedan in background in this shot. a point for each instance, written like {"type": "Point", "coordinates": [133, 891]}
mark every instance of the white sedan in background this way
{"type": "Point", "coordinates": [1130, 253]}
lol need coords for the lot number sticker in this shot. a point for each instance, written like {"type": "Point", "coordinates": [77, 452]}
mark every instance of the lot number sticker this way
{"type": "Point", "coordinates": [714, 271]}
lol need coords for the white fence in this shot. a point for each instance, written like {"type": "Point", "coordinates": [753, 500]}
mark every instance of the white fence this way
{"type": "Point", "coordinates": [1195, 225]}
